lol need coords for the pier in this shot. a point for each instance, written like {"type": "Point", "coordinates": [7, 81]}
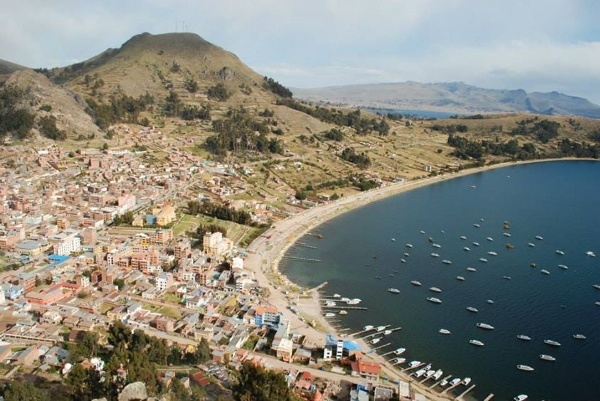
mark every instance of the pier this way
{"type": "Point", "coordinates": [465, 392]}
{"type": "Point", "coordinates": [306, 245]}
{"type": "Point", "coordinates": [303, 259]}
{"type": "Point", "coordinates": [489, 397]}
{"type": "Point", "coordinates": [414, 367]}
{"type": "Point", "coordinates": [438, 382]}
{"type": "Point", "coordinates": [344, 307]}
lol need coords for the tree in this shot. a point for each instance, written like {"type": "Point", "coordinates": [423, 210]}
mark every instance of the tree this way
{"type": "Point", "coordinates": [258, 383]}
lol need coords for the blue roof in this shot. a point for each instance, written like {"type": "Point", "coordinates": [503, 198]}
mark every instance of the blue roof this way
{"type": "Point", "coordinates": [349, 344]}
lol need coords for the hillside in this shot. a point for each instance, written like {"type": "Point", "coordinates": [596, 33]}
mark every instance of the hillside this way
{"type": "Point", "coordinates": [455, 97]}
{"type": "Point", "coordinates": [6, 67]}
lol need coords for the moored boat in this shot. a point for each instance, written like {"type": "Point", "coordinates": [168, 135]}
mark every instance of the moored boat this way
{"type": "Point", "coordinates": [412, 364]}
{"type": "Point", "coordinates": [596, 286]}
{"type": "Point", "coordinates": [460, 278]}
{"type": "Point", "coordinates": [471, 269]}
{"type": "Point", "coordinates": [559, 252]}
{"type": "Point", "coordinates": [490, 239]}
{"type": "Point", "coordinates": [455, 381]}
{"type": "Point", "coordinates": [394, 290]}
{"type": "Point", "coordinates": [483, 260]}
{"type": "Point", "coordinates": [409, 245]}
{"type": "Point", "coordinates": [368, 327]}
{"type": "Point", "coordinates": [590, 254]}
{"type": "Point", "coordinates": [436, 245]}
{"type": "Point", "coordinates": [444, 331]}
{"type": "Point", "coordinates": [380, 328]}
{"type": "Point", "coordinates": [547, 357]}
{"type": "Point", "coordinates": [490, 301]}
{"type": "Point", "coordinates": [526, 368]}
{"type": "Point", "coordinates": [523, 337]}
{"type": "Point", "coordinates": [466, 381]}
{"type": "Point", "coordinates": [399, 351]}
{"type": "Point", "coordinates": [520, 397]}
{"type": "Point", "coordinates": [476, 243]}
{"type": "Point", "coordinates": [463, 237]}
{"type": "Point", "coordinates": [492, 253]}
{"type": "Point", "coordinates": [446, 262]}
{"type": "Point", "coordinates": [531, 244]}
{"type": "Point", "coordinates": [579, 336]}
{"type": "Point", "coordinates": [434, 289]}
{"type": "Point", "coordinates": [397, 361]}
{"type": "Point", "coordinates": [375, 340]}
{"type": "Point", "coordinates": [329, 314]}
{"type": "Point", "coordinates": [438, 373]}
{"type": "Point", "coordinates": [564, 267]}
{"type": "Point", "coordinates": [552, 342]}
{"type": "Point", "coordinates": [506, 234]}
{"type": "Point", "coordinates": [434, 300]}
{"type": "Point", "coordinates": [466, 249]}
{"type": "Point", "coordinates": [416, 282]}
{"type": "Point", "coordinates": [476, 342]}
{"type": "Point", "coordinates": [539, 237]}
{"type": "Point", "coordinates": [387, 332]}
{"type": "Point", "coordinates": [484, 326]}
{"type": "Point", "coordinates": [544, 271]}
{"type": "Point", "coordinates": [506, 277]}
{"type": "Point", "coordinates": [434, 255]}
{"type": "Point", "coordinates": [472, 309]}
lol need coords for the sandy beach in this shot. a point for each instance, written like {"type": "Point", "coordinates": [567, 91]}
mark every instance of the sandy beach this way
{"type": "Point", "coordinates": [266, 252]}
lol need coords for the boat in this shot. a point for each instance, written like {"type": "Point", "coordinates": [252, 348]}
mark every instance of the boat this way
{"type": "Point", "coordinates": [506, 277]}
{"type": "Point", "coordinates": [454, 381]}
{"type": "Point", "coordinates": [564, 267]}
{"type": "Point", "coordinates": [463, 237]}
{"type": "Point", "coordinates": [471, 269]}
{"type": "Point", "coordinates": [430, 239]}
{"type": "Point", "coordinates": [435, 255]}
{"type": "Point", "coordinates": [394, 290]}
{"type": "Point", "coordinates": [434, 300]}
{"type": "Point", "coordinates": [475, 243]}
{"type": "Point", "coordinates": [579, 336]}
{"type": "Point", "coordinates": [436, 245]}
{"type": "Point", "coordinates": [406, 254]}
{"type": "Point", "coordinates": [547, 357]}
{"type": "Point", "coordinates": [506, 234]}
{"type": "Point", "coordinates": [434, 289]}
{"type": "Point", "coordinates": [552, 342]}
{"type": "Point", "coordinates": [472, 309]}
{"type": "Point", "coordinates": [443, 382]}
{"type": "Point", "coordinates": [533, 264]}
{"type": "Point", "coordinates": [438, 373]}
{"type": "Point", "coordinates": [368, 327]}
{"type": "Point", "coordinates": [597, 303]}
{"type": "Point", "coordinates": [483, 260]}
{"type": "Point", "coordinates": [476, 225]}
{"type": "Point", "coordinates": [409, 245]}
{"type": "Point", "coordinates": [378, 277]}
{"type": "Point", "coordinates": [412, 364]}
{"type": "Point", "coordinates": [492, 253]}
{"type": "Point", "coordinates": [444, 331]}
{"type": "Point", "coordinates": [520, 397]}
{"type": "Point", "coordinates": [387, 332]}
{"type": "Point", "coordinates": [330, 303]}
{"type": "Point", "coordinates": [397, 361]}
{"type": "Point", "coordinates": [399, 351]}
{"type": "Point", "coordinates": [489, 301]}
{"type": "Point", "coordinates": [523, 337]}
{"type": "Point", "coordinates": [422, 232]}
{"type": "Point", "coordinates": [526, 368]}
{"type": "Point", "coordinates": [476, 342]}
{"type": "Point", "coordinates": [559, 252]}
{"type": "Point", "coordinates": [336, 295]}
{"type": "Point", "coordinates": [531, 244]}
{"type": "Point", "coordinates": [446, 262]}
{"type": "Point", "coordinates": [590, 254]}
{"type": "Point", "coordinates": [430, 373]}
{"type": "Point", "coordinates": [415, 282]}
{"type": "Point", "coordinates": [484, 326]}
{"type": "Point", "coordinates": [466, 249]}
{"type": "Point", "coordinates": [544, 271]}
{"type": "Point", "coordinates": [343, 312]}
{"type": "Point", "coordinates": [354, 301]}
{"type": "Point", "coordinates": [539, 237]}
{"type": "Point", "coordinates": [420, 372]}
{"type": "Point", "coordinates": [460, 278]}
{"type": "Point", "coordinates": [490, 239]}
{"type": "Point", "coordinates": [329, 314]}
{"type": "Point", "coordinates": [375, 340]}
{"type": "Point", "coordinates": [380, 328]}
{"type": "Point", "coordinates": [394, 239]}
{"type": "Point", "coordinates": [509, 246]}
{"type": "Point", "coordinates": [403, 260]}
{"type": "Point", "coordinates": [466, 381]}
{"type": "Point", "coordinates": [596, 286]}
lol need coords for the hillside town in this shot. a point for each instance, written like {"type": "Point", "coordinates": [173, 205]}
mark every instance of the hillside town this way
{"type": "Point", "coordinates": [68, 269]}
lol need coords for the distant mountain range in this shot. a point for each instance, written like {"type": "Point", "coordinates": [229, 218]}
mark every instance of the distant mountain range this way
{"type": "Point", "coordinates": [452, 97]}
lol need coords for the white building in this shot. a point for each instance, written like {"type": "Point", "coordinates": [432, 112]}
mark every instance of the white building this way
{"type": "Point", "coordinates": [66, 242]}
{"type": "Point", "coordinates": [163, 281]}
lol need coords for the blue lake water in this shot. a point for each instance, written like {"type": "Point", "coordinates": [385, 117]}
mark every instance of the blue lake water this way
{"type": "Point", "coordinates": [558, 201]}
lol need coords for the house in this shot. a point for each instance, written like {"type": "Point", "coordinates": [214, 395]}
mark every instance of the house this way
{"type": "Point", "coordinates": [365, 369]}
{"type": "Point", "coordinates": [268, 316]}
{"type": "Point", "coordinates": [28, 356]}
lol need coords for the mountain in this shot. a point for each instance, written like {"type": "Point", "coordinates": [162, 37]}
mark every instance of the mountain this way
{"type": "Point", "coordinates": [454, 97]}
{"type": "Point", "coordinates": [6, 67]}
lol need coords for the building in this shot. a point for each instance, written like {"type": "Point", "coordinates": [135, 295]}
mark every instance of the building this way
{"type": "Point", "coordinates": [163, 281]}
{"type": "Point", "coordinates": [268, 316]}
{"type": "Point", "coordinates": [215, 245]}
{"type": "Point", "coordinates": [66, 242]}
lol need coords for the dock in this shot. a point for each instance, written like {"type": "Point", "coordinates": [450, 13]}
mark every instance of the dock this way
{"type": "Point", "coordinates": [439, 381]}
{"type": "Point", "coordinates": [344, 307]}
{"type": "Point", "coordinates": [489, 397]}
{"type": "Point", "coordinates": [302, 259]}
{"type": "Point", "coordinates": [381, 346]}
{"type": "Point", "coordinates": [465, 392]}
{"type": "Point", "coordinates": [414, 367]}
{"type": "Point", "coordinates": [451, 387]}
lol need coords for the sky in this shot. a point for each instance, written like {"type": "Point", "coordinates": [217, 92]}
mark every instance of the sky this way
{"type": "Point", "coordinates": [536, 45]}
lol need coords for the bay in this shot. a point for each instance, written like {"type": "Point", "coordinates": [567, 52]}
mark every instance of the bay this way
{"type": "Point", "coordinates": [557, 201]}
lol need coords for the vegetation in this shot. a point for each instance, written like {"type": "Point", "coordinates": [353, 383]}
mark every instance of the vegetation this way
{"type": "Point", "coordinates": [223, 212]}
{"type": "Point", "coordinates": [542, 130]}
{"type": "Point", "coordinates": [275, 87]}
{"type": "Point", "coordinates": [258, 383]}
{"type": "Point", "coordinates": [450, 128]}
{"type": "Point", "coordinates": [47, 126]}
{"type": "Point", "coordinates": [218, 92]}
{"type": "Point", "coordinates": [120, 108]}
{"type": "Point", "coordinates": [335, 135]}
{"type": "Point", "coordinates": [14, 120]}
{"type": "Point", "coordinates": [361, 160]}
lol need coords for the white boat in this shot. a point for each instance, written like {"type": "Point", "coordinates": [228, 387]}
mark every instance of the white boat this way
{"type": "Point", "coordinates": [454, 381]}
{"type": "Point", "coordinates": [336, 295]}
{"type": "Point", "coordinates": [436, 245]}
{"type": "Point", "coordinates": [466, 381]}
{"type": "Point", "coordinates": [368, 327]}
{"type": "Point", "coordinates": [484, 326]}
{"type": "Point", "coordinates": [590, 254]}
{"type": "Point", "coordinates": [394, 290]}
{"type": "Point", "coordinates": [354, 301]}
{"type": "Point", "coordinates": [471, 269]}
{"type": "Point", "coordinates": [430, 373]}
{"type": "Point", "coordinates": [387, 332]}
{"type": "Point", "coordinates": [472, 309]}
{"type": "Point", "coordinates": [463, 237]}
{"type": "Point", "coordinates": [444, 331]}
{"type": "Point", "coordinates": [539, 237]}
{"type": "Point", "coordinates": [579, 336]}
{"type": "Point", "coordinates": [531, 244]}
{"type": "Point", "coordinates": [460, 278]}
{"type": "Point", "coordinates": [564, 267]}
{"type": "Point", "coordinates": [434, 300]}
{"type": "Point", "coordinates": [476, 342]}
{"type": "Point", "coordinates": [476, 243]}
{"type": "Point", "coordinates": [409, 245]}
{"type": "Point", "coordinates": [476, 225]}
{"type": "Point", "coordinates": [375, 340]}
{"type": "Point", "coordinates": [343, 312]}
{"type": "Point", "coordinates": [329, 314]}
{"type": "Point", "coordinates": [403, 260]}
{"type": "Point", "coordinates": [597, 303]}
{"type": "Point", "coordinates": [523, 337]}
{"type": "Point", "coordinates": [552, 342]}
{"type": "Point", "coordinates": [415, 282]}
{"type": "Point", "coordinates": [547, 357]}
{"type": "Point", "coordinates": [466, 249]}
{"type": "Point", "coordinates": [422, 232]}
{"type": "Point", "coordinates": [490, 239]}
{"type": "Point", "coordinates": [489, 301]}
{"type": "Point", "coordinates": [394, 239]}
{"type": "Point", "coordinates": [506, 277]}
{"type": "Point", "coordinates": [434, 289]}
{"type": "Point", "coordinates": [526, 368]}
{"type": "Point", "coordinates": [435, 255]}
{"type": "Point", "coordinates": [506, 234]}
{"type": "Point", "coordinates": [399, 351]}
{"type": "Point", "coordinates": [406, 254]}
{"type": "Point", "coordinates": [596, 286]}
{"type": "Point", "coordinates": [330, 303]}
{"type": "Point", "coordinates": [520, 397]}
{"type": "Point", "coordinates": [420, 372]}
{"type": "Point", "coordinates": [443, 382]}
{"type": "Point", "coordinates": [559, 252]}
{"type": "Point", "coordinates": [380, 328]}
{"type": "Point", "coordinates": [483, 260]}
{"type": "Point", "coordinates": [493, 253]}
{"type": "Point", "coordinates": [397, 361]}
{"type": "Point", "coordinates": [438, 373]}
{"type": "Point", "coordinates": [412, 364]}
{"type": "Point", "coordinates": [544, 271]}
{"type": "Point", "coordinates": [446, 262]}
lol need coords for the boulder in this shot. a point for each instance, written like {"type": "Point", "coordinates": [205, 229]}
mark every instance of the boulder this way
{"type": "Point", "coordinates": [134, 392]}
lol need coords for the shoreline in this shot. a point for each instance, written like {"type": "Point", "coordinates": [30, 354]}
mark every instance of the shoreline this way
{"type": "Point", "coordinates": [272, 246]}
